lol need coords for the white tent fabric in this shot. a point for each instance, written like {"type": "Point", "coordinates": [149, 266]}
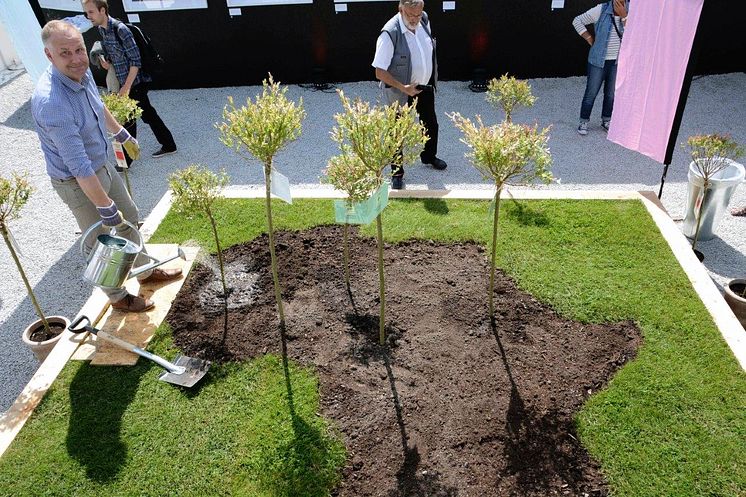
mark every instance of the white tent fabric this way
{"type": "Point", "coordinates": [23, 28]}
{"type": "Point", "coordinates": [653, 58]}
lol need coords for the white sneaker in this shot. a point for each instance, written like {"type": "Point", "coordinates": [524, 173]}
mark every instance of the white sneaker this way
{"type": "Point", "coordinates": [583, 128]}
{"type": "Point", "coordinates": [605, 125]}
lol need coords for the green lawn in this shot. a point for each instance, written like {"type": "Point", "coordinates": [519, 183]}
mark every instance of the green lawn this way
{"type": "Point", "coordinates": [671, 423]}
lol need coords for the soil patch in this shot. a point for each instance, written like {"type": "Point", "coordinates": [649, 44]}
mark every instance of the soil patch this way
{"type": "Point", "coordinates": [453, 405]}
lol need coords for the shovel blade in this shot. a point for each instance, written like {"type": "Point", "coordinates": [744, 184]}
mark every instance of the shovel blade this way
{"type": "Point", "coordinates": [194, 370]}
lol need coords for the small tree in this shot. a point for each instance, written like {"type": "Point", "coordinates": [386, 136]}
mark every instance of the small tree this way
{"type": "Point", "coordinates": [262, 128]}
{"type": "Point", "coordinates": [505, 153]}
{"type": "Point", "coordinates": [710, 154]}
{"type": "Point", "coordinates": [124, 109]}
{"type": "Point", "coordinates": [196, 189]}
{"type": "Point", "coordinates": [371, 138]}
{"type": "Point", "coordinates": [346, 172]}
{"type": "Point", "coordinates": [507, 93]}
{"type": "Point", "coordinates": [14, 193]}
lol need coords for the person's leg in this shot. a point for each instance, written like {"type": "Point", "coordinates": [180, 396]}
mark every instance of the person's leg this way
{"type": "Point", "coordinates": [592, 87]}
{"type": "Point", "coordinates": [86, 215]}
{"type": "Point", "coordinates": [609, 83]}
{"type": "Point", "coordinates": [150, 117]}
{"type": "Point", "coordinates": [428, 118]}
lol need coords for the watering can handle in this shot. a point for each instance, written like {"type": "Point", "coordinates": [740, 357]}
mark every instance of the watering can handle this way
{"type": "Point", "coordinates": [96, 225]}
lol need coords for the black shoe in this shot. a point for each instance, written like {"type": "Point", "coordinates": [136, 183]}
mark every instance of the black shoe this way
{"type": "Point", "coordinates": [164, 151]}
{"type": "Point", "coordinates": [397, 182]}
{"type": "Point", "coordinates": [438, 164]}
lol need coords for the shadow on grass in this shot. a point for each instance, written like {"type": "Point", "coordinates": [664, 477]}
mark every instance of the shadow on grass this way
{"type": "Point", "coordinates": [99, 396]}
{"type": "Point", "coordinates": [436, 206]}
{"type": "Point", "coordinates": [302, 462]}
{"type": "Point", "coordinates": [525, 215]}
{"type": "Point", "coordinates": [541, 447]}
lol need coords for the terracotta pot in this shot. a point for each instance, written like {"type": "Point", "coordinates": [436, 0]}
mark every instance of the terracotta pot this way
{"type": "Point", "coordinates": [42, 349]}
{"type": "Point", "coordinates": [733, 291]}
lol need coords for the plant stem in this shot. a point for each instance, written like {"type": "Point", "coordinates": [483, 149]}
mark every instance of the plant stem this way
{"type": "Point", "coordinates": [220, 252]}
{"type": "Point", "coordinates": [13, 254]}
{"type": "Point", "coordinates": [346, 252]}
{"type": "Point", "coordinates": [273, 257]}
{"type": "Point", "coordinates": [699, 214]}
{"type": "Point", "coordinates": [381, 283]}
{"type": "Point", "coordinates": [494, 250]}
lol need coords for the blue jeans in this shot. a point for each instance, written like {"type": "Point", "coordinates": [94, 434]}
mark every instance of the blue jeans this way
{"type": "Point", "coordinates": [597, 76]}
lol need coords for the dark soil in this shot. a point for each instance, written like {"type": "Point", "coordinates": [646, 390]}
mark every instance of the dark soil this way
{"type": "Point", "coordinates": [40, 334]}
{"type": "Point", "coordinates": [453, 405]}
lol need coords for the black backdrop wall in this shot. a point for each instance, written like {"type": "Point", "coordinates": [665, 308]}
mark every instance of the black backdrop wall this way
{"type": "Point", "coordinates": [208, 48]}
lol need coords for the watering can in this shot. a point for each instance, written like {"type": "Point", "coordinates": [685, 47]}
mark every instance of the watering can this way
{"type": "Point", "coordinates": [111, 259]}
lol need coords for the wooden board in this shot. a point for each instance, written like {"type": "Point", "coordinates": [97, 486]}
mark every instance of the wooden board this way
{"type": "Point", "coordinates": [138, 328]}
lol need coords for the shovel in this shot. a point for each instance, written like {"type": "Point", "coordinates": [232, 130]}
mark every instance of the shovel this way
{"type": "Point", "coordinates": [185, 371]}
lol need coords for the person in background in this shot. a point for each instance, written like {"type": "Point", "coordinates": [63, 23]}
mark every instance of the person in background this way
{"type": "Point", "coordinates": [609, 19]}
{"type": "Point", "coordinates": [71, 121]}
{"type": "Point", "coordinates": [120, 47]}
{"type": "Point", "coordinates": [405, 59]}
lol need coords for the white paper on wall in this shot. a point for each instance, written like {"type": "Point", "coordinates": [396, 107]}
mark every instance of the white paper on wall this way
{"type": "Point", "coordinates": [558, 4]}
{"type": "Point", "coordinates": [449, 6]}
{"type": "Point", "coordinates": [134, 18]}
{"type": "Point", "coordinates": [234, 12]}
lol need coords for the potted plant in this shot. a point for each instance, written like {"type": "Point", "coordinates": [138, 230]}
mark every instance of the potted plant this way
{"type": "Point", "coordinates": [735, 296]}
{"type": "Point", "coordinates": [713, 175]}
{"type": "Point", "coordinates": [124, 109]}
{"type": "Point", "coordinates": [43, 334]}
{"type": "Point", "coordinates": [371, 138]}
{"type": "Point", "coordinates": [262, 128]}
{"type": "Point", "coordinates": [507, 152]}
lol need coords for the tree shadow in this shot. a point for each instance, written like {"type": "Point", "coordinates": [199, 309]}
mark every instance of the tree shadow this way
{"type": "Point", "coordinates": [525, 215]}
{"type": "Point", "coordinates": [435, 206]}
{"type": "Point", "coordinates": [409, 481]}
{"type": "Point", "coordinates": [365, 343]}
{"type": "Point", "coordinates": [99, 396]}
{"type": "Point", "coordinates": [541, 448]}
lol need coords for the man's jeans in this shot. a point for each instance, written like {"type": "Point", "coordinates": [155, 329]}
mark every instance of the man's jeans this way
{"type": "Point", "coordinates": [597, 76]}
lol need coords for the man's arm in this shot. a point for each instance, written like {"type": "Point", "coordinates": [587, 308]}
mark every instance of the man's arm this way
{"type": "Point", "coordinates": [129, 46]}
{"type": "Point", "coordinates": [382, 58]}
{"type": "Point", "coordinates": [93, 189]}
{"type": "Point", "coordinates": [587, 18]}
{"type": "Point", "coordinates": [388, 79]}
{"type": "Point", "coordinates": [127, 86]}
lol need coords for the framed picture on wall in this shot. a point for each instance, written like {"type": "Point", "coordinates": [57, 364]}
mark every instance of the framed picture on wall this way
{"type": "Point", "coordinates": [71, 5]}
{"type": "Point", "coordinates": [257, 3]}
{"type": "Point", "coordinates": [151, 5]}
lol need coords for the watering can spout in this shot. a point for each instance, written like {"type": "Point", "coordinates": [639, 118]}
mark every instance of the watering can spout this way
{"type": "Point", "coordinates": [147, 267]}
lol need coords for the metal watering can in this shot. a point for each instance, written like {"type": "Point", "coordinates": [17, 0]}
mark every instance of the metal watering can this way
{"type": "Point", "coordinates": [111, 259]}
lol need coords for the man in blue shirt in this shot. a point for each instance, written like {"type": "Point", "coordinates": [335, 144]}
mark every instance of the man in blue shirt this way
{"type": "Point", "coordinates": [122, 51]}
{"type": "Point", "coordinates": [71, 121]}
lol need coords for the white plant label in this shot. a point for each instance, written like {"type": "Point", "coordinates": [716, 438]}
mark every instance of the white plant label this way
{"type": "Point", "coordinates": [14, 244]}
{"type": "Point", "coordinates": [280, 186]}
{"type": "Point", "coordinates": [119, 154]}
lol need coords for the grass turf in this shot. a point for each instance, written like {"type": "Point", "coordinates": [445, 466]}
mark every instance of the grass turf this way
{"type": "Point", "coordinates": [672, 422]}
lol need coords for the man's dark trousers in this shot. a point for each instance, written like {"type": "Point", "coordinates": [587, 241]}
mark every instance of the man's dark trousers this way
{"type": "Point", "coordinates": [139, 93]}
{"type": "Point", "coordinates": [426, 111]}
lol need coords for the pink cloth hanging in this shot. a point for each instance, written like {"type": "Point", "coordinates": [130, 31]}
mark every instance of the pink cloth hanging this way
{"type": "Point", "coordinates": [652, 61]}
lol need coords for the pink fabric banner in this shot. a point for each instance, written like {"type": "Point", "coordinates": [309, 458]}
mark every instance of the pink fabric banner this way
{"type": "Point", "coordinates": [651, 66]}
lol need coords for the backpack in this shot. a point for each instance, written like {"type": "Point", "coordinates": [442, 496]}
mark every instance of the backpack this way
{"type": "Point", "coordinates": [151, 60]}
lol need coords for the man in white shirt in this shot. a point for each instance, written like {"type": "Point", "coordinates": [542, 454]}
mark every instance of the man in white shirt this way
{"type": "Point", "coordinates": [405, 63]}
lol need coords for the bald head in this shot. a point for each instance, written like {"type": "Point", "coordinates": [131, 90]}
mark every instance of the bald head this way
{"type": "Point", "coordinates": [63, 46]}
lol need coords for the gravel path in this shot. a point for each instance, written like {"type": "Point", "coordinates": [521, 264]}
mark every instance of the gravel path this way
{"type": "Point", "coordinates": [47, 231]}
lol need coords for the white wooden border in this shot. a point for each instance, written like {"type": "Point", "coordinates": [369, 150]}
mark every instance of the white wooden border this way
{"type": "Point", "coordinates": [13, 420]}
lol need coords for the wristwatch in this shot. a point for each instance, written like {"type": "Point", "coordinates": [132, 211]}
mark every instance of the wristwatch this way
{"type": "Point", "coordinates": [624, 19]}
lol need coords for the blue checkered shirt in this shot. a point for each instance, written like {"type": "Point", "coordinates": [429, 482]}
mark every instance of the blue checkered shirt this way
{"type": "Point", "coordinates": [122, 51]}
{"type": "Point", "coordinates": [70, 122]}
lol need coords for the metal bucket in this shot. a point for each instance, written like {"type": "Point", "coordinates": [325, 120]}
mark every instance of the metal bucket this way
{"type": "Point", "coordinates": [721, 188]}
{"type": "Point", "coordinates": [111, 259]}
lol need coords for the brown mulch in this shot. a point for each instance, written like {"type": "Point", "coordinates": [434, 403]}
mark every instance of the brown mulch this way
{"type": "Point", "coordinates": [452, 405]}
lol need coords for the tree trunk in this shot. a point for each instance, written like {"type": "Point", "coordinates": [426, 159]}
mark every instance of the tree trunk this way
{"type": "Point", "coordinates": [699, 214]}
{"type": "Point", "coordinates": [346, 252]}
{"type": "Point", "coordinates": [273, 257]}
{"type": "Point", "coordinates": [382, 284]}
{"type": "Point", "coordinates": [13, 254]}
{"type": "Point", "coordinates": [494, 250]}
{"type": "Point", "coordinates": [220, 253]}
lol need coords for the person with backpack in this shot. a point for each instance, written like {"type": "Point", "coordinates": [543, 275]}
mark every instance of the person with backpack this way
{"type": "Point", "coordinates": [127, 58]}
{"type": "Point", "coordinates": [609, 19]}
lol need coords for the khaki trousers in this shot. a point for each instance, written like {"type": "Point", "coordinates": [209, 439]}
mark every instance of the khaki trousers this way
{"type": "Point", "coordinates": [86, 214]}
